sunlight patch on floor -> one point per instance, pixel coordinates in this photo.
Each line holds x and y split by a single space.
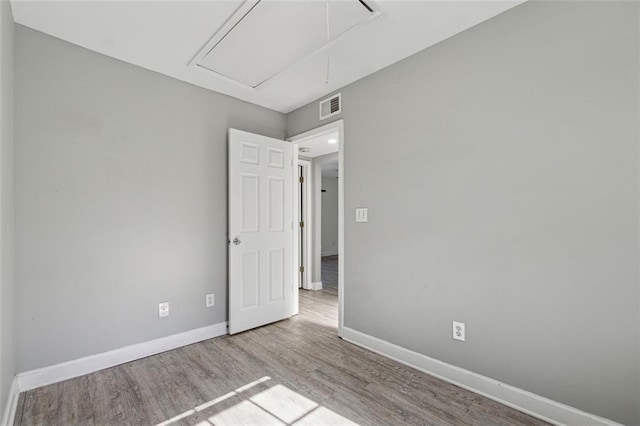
284 403
323 416
245 413
213 402
278 405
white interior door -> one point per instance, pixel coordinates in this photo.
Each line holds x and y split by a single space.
261 281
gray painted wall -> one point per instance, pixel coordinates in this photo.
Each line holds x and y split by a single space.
500 168
7 283
329 235
121 200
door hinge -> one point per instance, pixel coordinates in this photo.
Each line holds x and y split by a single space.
302 269
301 179
301 224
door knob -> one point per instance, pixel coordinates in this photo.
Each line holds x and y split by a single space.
236 241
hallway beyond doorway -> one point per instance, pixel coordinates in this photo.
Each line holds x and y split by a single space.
330 274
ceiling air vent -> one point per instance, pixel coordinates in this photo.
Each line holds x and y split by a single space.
330 106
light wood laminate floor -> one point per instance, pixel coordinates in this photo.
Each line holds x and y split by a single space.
295 371
329 271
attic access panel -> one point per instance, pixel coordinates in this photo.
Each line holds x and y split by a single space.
263 38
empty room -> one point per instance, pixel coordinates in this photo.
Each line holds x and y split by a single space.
320 212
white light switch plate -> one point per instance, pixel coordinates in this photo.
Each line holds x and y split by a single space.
361 214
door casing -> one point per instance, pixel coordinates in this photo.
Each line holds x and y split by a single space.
307 218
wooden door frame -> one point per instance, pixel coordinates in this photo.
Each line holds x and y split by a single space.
333 127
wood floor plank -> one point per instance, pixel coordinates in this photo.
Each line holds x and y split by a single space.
485 411
329 273
295 371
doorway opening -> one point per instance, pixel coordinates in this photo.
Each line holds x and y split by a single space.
319 207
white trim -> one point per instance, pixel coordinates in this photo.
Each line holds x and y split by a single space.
329 253
341 241
92 363
307 218
335 126
309 182
12 404
535 405
315 286
295 235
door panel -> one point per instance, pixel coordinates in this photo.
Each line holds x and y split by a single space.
276 204
276 274
260 229
250 203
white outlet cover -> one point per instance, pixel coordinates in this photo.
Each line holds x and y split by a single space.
459 331
209 300
163 309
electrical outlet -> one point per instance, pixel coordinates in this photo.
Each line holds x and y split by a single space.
458 331
163 309
209 300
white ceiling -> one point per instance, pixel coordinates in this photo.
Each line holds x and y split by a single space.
273 35
279 46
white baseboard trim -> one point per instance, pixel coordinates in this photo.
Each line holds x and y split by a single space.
535 405
89 364
329 253
12 403
315 286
